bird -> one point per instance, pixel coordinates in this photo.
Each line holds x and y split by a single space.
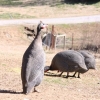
89 62
67 61
33 62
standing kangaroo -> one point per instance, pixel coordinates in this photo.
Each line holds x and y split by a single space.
33 62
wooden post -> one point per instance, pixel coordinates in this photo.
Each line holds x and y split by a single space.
72 40
64 42
55 40
52 38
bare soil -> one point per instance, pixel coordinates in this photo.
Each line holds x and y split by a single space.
12 46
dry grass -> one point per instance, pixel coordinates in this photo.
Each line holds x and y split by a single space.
46 11
83 34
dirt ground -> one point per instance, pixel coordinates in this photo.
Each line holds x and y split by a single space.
52 87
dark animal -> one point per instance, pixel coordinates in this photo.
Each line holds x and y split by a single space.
67 61
89 61
30 30
33 62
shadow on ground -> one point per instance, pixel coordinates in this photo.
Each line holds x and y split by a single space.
10 91
57 75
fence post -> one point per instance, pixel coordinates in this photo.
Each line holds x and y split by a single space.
52 38
72 40
64 42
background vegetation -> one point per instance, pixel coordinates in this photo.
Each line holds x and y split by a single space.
43 2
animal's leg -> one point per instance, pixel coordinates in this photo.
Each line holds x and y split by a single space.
58 71
67 75
36 90
60 74
24 87
78 75
24 90
74 74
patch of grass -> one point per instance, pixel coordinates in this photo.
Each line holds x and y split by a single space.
63 6
10 2
65 25
14 16
16 70
97 5
58 80
4 65
55 80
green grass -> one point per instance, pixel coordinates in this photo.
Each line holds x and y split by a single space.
16 70
64 25
10 2
63 6
75 5
56 3
97 5
4 65
85 79
14 16
56 80
59 80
